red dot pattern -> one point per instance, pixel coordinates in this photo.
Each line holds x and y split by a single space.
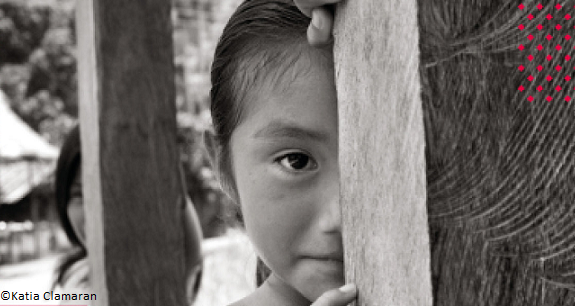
546 31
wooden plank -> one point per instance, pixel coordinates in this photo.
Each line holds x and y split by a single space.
382 162
133 194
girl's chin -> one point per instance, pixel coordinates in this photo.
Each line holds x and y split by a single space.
313 291
309 279
318 281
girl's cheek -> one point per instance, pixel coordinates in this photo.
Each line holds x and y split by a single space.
275 202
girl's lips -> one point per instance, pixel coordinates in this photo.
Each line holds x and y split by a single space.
326 257
329 259
326 264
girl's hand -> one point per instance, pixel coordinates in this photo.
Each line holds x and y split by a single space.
319 31
337 297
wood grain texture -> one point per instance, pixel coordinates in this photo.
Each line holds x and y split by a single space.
132 188
382 161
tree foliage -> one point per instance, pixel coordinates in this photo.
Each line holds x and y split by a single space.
38 66
21 30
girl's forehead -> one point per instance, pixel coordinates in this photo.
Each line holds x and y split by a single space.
279 75
304 97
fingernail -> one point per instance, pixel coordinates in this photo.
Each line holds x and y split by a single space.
316 20
348 288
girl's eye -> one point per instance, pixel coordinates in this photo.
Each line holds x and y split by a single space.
298 162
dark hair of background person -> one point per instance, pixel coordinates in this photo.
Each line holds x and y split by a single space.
260 41
66 168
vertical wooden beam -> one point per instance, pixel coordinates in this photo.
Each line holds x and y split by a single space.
133 196
382 162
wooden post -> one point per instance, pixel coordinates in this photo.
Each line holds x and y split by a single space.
382 162
133 196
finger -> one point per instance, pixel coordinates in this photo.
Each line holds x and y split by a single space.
337 297
306 6
319 30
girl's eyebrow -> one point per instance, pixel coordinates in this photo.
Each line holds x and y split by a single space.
283 129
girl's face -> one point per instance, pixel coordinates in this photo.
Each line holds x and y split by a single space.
285 164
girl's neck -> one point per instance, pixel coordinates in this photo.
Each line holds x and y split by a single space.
274 292
283 293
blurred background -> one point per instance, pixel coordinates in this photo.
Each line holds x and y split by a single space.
38 107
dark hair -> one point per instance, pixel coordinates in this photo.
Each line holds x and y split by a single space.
66 169
260 41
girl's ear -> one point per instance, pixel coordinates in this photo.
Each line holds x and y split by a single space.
219 164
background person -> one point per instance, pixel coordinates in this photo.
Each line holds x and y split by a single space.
73 272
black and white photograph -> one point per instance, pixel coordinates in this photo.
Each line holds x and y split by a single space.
287 152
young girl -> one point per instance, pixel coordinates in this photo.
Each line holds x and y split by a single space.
275 148
73 273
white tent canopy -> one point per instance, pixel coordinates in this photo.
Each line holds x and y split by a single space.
26 159
18 140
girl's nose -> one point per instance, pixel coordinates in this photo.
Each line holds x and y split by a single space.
330 218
